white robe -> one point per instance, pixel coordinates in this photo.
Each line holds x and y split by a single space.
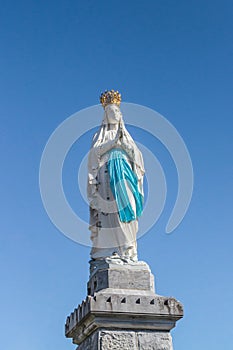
111 237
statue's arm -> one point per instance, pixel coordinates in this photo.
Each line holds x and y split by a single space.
127 147
105 147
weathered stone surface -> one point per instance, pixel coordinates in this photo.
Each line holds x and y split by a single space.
127 340
136 277
117 340
90 343
154 341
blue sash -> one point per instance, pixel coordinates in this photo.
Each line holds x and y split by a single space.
120 172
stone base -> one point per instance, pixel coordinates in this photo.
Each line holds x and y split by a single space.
106 339
135 276
123 312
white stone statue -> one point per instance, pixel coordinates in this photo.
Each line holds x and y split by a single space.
115 186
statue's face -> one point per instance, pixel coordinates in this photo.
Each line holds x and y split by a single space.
113 114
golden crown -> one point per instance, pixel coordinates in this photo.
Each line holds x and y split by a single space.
110 96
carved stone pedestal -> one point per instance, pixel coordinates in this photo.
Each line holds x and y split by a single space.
123 312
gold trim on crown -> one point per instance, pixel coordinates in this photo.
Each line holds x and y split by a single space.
109 97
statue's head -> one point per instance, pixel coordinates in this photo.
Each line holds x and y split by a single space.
111 100
113 114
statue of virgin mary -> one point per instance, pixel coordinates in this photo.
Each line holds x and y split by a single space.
115 186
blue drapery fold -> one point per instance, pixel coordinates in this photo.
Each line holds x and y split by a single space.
121 173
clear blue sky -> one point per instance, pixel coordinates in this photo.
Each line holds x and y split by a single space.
173 56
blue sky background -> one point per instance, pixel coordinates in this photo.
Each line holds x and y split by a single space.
172 56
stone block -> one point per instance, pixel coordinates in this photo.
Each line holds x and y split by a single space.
137 277
154 341
109 339
117 340
90 343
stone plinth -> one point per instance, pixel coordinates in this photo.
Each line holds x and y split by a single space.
122 311
125 276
